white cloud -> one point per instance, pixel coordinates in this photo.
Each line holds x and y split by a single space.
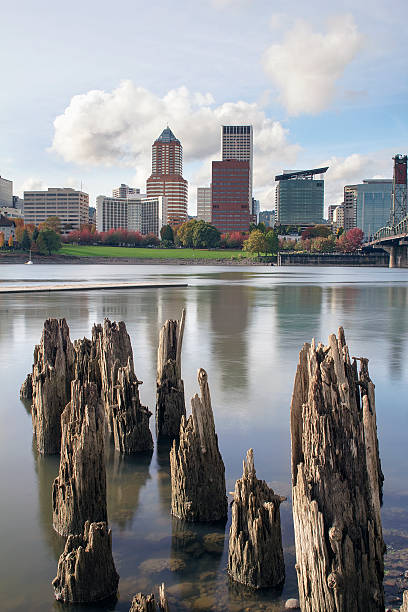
306 66
226 3
354 169
119 127
31 184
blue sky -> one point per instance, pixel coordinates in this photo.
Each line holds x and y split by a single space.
87 86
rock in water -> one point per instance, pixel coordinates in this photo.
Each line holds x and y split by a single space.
170 403
130 420
26 390
79 491
86 570
336 480
53 371
147 603
197 468
255 545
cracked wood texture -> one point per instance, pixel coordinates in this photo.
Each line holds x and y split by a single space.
255 556
197 469
79 491
53 371
147 603
336 482
170 402
128 420
404 607
86 570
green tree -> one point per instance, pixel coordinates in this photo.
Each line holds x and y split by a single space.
272 242
48 242
256 243
323 245
25 241
34 235
185 233
166 233
260 226
205 235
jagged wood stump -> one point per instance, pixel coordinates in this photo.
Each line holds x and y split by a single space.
53 372
130 420
197 468
26 390
147 603
404 607
79 491
336 480
170 402
86 570
255 545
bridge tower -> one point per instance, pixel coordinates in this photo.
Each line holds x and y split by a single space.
399 190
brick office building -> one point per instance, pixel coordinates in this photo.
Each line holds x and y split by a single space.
229 195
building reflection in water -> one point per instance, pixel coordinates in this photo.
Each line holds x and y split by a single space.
163 474
126 476
229 314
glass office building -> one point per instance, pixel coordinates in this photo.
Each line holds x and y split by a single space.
299 201
373 205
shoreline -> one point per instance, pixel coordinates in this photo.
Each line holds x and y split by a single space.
21 258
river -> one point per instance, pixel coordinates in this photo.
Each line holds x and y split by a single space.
245 326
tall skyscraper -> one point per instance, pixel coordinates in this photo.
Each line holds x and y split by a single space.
167 177
237 143
300 197
204 211
229 195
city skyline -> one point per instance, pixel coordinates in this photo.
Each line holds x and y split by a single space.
338 100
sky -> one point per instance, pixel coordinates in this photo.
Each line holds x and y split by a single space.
87 86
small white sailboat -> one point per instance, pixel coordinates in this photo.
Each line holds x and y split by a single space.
29 262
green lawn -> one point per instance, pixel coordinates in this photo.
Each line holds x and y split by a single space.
141 253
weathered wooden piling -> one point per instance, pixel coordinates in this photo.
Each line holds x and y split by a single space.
336 480
86 570
26 390
255 556
170 402
404 607
79 491
197 468
147 603
53 371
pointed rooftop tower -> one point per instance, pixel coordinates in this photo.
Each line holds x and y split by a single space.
167 176
167 136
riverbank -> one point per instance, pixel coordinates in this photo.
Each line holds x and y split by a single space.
21 258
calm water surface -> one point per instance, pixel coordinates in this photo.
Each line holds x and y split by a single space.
245 326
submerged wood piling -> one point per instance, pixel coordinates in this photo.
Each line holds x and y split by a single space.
197 470
170 402
255 556
336 482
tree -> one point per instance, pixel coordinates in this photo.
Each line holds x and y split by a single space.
260 226
323 245
52 223
19 229
185 233
205 235
25 241
256 243
166 233
11 241
316 231
48 241
34 235
355 238
1 240
272 242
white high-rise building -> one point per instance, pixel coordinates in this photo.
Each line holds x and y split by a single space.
6 192
144 215
204 208
237 143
